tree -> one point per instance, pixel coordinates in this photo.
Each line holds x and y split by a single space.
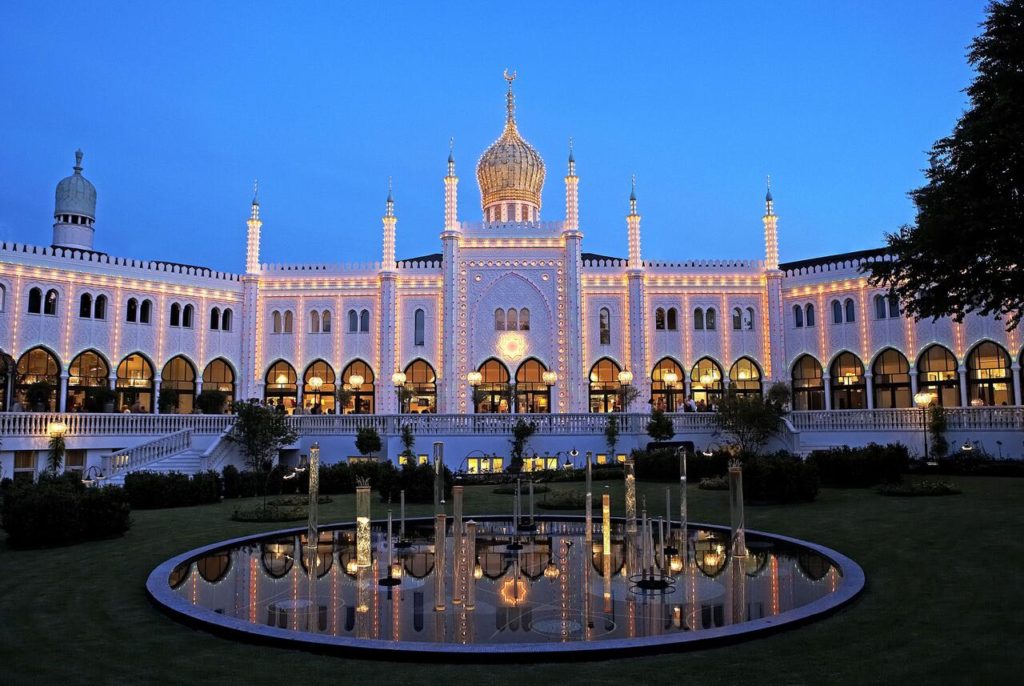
260 432
521 433
611 434
56 453
966 250
408 441
937 430
660 427
367 440
751 419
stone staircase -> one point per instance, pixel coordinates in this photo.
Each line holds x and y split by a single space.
171 453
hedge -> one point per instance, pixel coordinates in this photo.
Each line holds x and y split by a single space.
663 465
151 490
61 511
861 467
779 478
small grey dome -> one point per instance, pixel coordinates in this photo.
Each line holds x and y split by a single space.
75 194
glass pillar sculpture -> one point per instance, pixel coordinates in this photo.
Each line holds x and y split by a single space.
469 566
363 555
589 507
739 544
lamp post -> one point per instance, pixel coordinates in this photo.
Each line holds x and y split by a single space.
398 379
550 379
923 400
670 379
474 378
56 430
316 383
355 384
625 379
92 475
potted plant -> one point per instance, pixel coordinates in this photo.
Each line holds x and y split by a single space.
168 401
105 398
211 402
367 440
38 395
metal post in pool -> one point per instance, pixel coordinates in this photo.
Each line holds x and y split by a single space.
438 477
312 533
589 508
684 545
469 555
739 544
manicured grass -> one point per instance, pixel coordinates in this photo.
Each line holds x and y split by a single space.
944 603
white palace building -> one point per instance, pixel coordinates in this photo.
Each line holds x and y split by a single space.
510 317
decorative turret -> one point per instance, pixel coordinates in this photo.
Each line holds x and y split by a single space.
572 197
771 236
389 219
252 244
633 225
74 210
510 173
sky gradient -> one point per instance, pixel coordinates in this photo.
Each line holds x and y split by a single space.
179 106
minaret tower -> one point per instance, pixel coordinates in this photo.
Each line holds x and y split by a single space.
771 236
252 244
572 197
389 219
449 398
74 210
637 303
571 386
451 192
388 278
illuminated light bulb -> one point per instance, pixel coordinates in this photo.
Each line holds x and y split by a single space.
355 380
670 378
474 378
625 377
398 379
316 383
549 378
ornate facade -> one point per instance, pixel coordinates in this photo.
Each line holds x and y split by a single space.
510 316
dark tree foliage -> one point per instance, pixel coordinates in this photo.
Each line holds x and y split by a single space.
966 251
260 432
660 427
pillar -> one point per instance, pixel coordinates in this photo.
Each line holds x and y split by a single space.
869 390
62 398
963 388
827 381
1015 370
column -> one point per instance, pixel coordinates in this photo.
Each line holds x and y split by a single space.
1015 370
963 388
913 381
62 398
827 381
156 394
869 381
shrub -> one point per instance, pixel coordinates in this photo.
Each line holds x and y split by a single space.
779 478
861 467
662 464
563 500
416 480
963 464
150 490
61 510
660 427
367 440
232 481
920 488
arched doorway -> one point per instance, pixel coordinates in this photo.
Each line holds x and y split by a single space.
848 385
134 385
989 380
37 381
220 377
280 386
891 380
533 394
88 383
668 390
360 395
493 393
605 389
421 384
177 386
706 384
318 388
745 377
937 374
808 384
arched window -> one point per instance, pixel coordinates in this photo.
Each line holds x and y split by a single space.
85 306
100 307
937 374
134 384
745 377
798 316
698 319
659 319
710 318
364 321
187 315
3 297
604 323
894 305
276 318
218 376
808 384
353 321
848 385
314 322
289 321
175 314
493 393
360 400
809 312
737 319
851 315
748 320
146 311
837 312
605 389
325 321
39 371
318 388
673 319
421 389
499 319
668 388
532 393
524 319
706 383
50 304
35 301
281 386
215 319
225 319
988 375
88 373
418 322
512 319
177 386
879 307
132 310
891 380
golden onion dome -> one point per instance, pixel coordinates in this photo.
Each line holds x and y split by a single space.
511 170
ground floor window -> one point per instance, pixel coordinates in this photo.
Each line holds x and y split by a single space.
485 465
605 389
74 461
281 386
808 384
177 386
24 465
134 384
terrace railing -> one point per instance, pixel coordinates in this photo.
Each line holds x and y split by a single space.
957 418
110 424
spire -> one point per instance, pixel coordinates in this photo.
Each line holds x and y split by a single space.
633 226
510 102
768 203
390 202
451 156
255 211
389 221
632 197
252 243
572 159
771 233
78 161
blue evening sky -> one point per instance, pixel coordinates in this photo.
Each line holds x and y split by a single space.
179 106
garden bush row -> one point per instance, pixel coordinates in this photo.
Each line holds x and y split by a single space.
861 467
61 510
151 490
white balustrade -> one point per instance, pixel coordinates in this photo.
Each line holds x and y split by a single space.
110 424
957 418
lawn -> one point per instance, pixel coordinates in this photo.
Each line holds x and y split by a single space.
944 603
